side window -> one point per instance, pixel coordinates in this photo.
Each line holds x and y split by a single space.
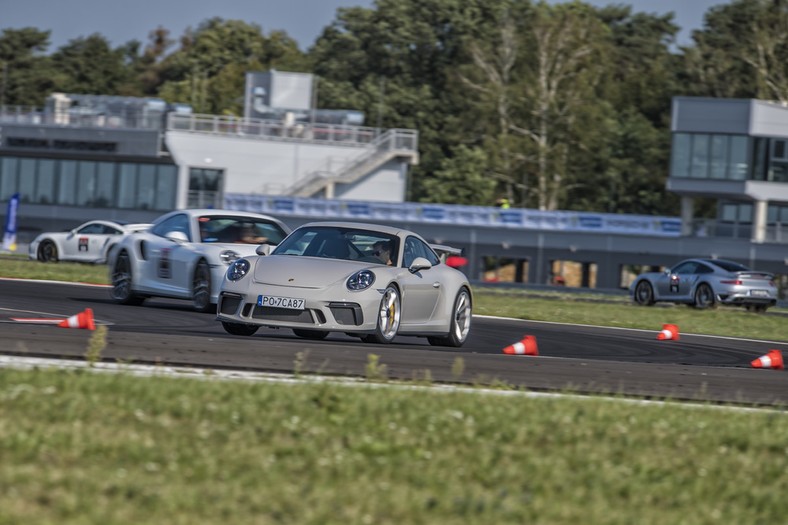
702 268
176 223
91 228
416 248
684 268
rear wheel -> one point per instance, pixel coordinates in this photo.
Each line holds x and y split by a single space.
316 335
201 287
704 297
239 328
47 252
122 281
644 294
460 322
389 314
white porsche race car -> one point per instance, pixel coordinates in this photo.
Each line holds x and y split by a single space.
185 254
371 281
90 242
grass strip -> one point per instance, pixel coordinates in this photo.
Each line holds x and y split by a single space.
79 447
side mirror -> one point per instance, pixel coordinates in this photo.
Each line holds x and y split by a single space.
178 237
263 249
418 264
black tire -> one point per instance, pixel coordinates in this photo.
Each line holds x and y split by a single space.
239 328
704 297
47 251
460 322
315 335
644 294
201 288
389 315
123 281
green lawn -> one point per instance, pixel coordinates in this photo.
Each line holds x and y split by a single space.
93 448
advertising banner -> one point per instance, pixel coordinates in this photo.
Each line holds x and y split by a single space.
9 234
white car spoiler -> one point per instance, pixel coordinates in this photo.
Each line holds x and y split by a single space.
444 251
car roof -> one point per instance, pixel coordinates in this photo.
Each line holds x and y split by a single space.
390 230
199 212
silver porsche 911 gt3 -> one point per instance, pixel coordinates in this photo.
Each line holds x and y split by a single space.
704 283
372 281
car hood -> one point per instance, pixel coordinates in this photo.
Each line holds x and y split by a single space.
304 272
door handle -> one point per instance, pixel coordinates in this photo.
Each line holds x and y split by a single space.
436 285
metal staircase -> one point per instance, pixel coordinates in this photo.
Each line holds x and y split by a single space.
392 144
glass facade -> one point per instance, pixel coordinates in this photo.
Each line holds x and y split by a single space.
710 156
89 184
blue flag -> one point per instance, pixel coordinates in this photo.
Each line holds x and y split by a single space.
9 234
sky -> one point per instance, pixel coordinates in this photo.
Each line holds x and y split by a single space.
303 20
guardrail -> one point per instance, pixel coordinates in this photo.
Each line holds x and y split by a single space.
515 218
272 129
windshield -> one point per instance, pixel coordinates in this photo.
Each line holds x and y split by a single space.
341 243
243 230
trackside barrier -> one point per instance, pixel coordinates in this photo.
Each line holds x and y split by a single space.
456 215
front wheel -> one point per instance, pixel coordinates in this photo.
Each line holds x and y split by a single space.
704 297
644 294
460 324
389 314
239 328
122 281
201 288
47 252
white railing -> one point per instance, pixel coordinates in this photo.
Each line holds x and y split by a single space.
393 143
272 129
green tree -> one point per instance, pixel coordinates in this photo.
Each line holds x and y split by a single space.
742 51
25 72
89 65
462 178
207 70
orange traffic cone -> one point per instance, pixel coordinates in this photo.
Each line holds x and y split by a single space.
773 359
527 346
80 320
669 332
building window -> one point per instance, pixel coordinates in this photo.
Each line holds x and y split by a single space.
738 158
8 171
719 156
146 186
700 157
105 185
680 153
86 183
90 184
127 185
45 188
27 180
67 182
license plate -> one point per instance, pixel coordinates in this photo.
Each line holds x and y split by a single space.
280 302
759 293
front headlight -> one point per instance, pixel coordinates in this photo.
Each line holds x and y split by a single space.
238 269
360 280
228 256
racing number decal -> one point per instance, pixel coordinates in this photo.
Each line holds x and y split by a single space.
83 244
164 267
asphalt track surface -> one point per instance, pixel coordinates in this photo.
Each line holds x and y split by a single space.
580 359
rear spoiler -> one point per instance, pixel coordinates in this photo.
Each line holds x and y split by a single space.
444 251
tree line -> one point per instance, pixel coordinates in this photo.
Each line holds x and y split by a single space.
553 106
